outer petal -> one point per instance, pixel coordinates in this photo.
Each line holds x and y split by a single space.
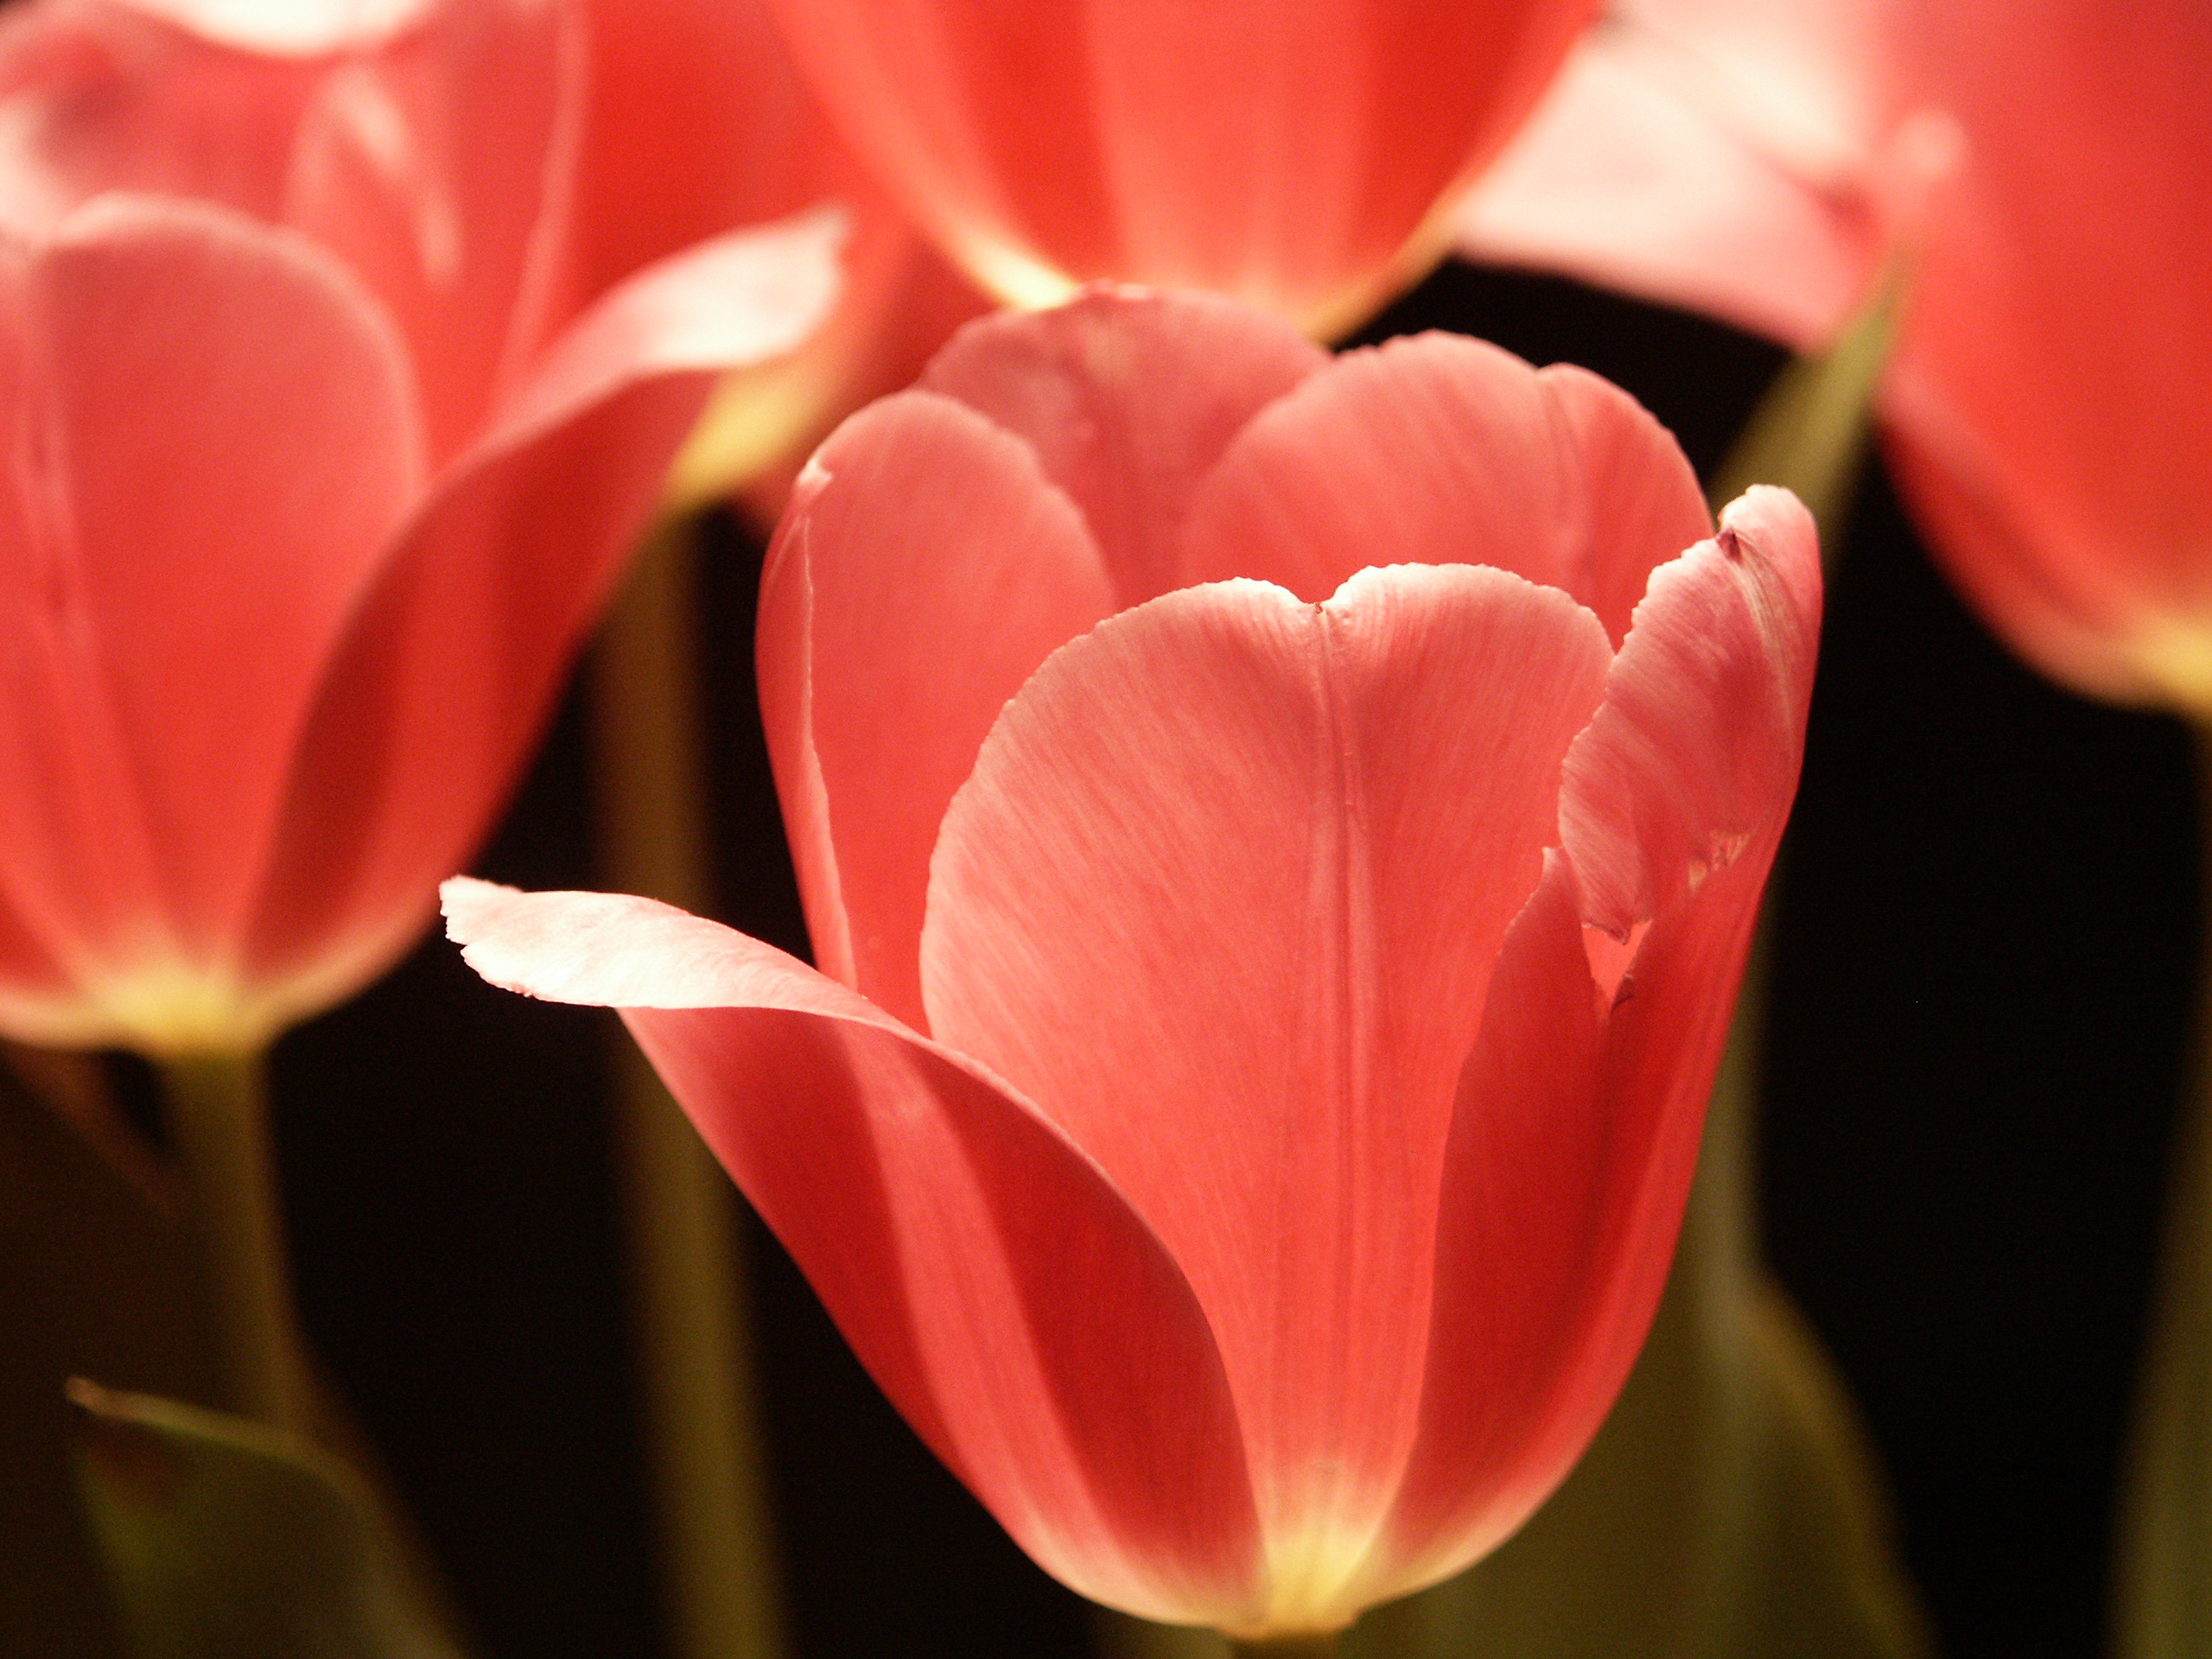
1443 449
212 444
458 222
1647 168
430 702
1287 155
998 1289
1223 896
1576 1127
924 568
1129 400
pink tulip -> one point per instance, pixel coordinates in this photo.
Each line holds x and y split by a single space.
315 487
2050 404
1247 1103
1294 156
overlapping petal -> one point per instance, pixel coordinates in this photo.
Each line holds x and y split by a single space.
1373 944
309 512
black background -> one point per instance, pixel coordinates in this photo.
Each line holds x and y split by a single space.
1986 942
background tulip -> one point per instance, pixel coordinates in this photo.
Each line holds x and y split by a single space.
1246 1109
1295 156
2048 407
318 486
699 122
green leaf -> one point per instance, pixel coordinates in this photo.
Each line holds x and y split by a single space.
227 1540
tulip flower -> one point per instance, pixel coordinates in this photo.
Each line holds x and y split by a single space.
1280 835
1297 156
2049 408
316 485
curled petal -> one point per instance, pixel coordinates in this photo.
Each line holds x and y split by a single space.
1002 1294
1694 754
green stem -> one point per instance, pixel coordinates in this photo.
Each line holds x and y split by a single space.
2164 1577
701 1416
219 1115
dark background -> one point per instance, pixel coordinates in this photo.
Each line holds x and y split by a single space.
1987 924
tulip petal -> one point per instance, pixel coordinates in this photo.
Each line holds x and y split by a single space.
925 568
999 1290
1223 896
1128 401
1626 178
1572 1145
452 220
288 28
432 701
97 96
1445 448
1694 758
1285 156
213 392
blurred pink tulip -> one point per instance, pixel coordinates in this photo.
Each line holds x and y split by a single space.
2049 408
1263 1026
1296 156
700 122
315 486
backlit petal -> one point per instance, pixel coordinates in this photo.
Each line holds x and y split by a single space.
1127 405
1286 155
444 677
925 568
1222 898
1445 449
1694 758
209 397
1001 1292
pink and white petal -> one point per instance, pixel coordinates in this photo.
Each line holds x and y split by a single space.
1574 1138
924 569
1445 450
1222 897
1694 757
1626 178
457 222
288 27
999 1289
1128 399
223 445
